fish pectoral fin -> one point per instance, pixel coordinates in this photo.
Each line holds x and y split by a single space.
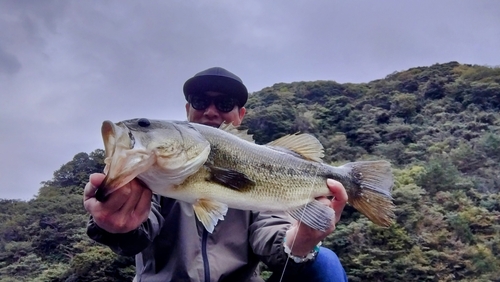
306 145
209 212
230 178
315 215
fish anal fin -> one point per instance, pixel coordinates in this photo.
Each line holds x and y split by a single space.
315 215
230 178
209 212
303 144
243 134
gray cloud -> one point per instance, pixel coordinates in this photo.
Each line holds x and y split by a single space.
9 64
65 66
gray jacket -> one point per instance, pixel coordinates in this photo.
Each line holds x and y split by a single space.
172 245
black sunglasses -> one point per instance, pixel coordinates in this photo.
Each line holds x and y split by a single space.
223 103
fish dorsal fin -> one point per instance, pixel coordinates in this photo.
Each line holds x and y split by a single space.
243 134
303 144
209 212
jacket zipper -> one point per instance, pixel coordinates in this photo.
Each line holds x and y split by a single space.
206 266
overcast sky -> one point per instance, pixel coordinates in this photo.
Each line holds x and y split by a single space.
66 66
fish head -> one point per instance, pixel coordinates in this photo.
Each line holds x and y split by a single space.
150 150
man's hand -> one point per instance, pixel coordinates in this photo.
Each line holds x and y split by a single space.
306 237
124 210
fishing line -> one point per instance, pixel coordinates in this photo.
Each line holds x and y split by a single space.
298 225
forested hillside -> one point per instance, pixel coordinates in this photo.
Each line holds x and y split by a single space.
439 126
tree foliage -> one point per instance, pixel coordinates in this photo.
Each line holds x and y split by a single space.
44 239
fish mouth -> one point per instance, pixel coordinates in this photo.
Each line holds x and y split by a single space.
108 136
123 161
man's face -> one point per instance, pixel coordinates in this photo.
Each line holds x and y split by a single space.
212 116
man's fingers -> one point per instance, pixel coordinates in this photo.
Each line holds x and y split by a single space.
338 190
89 191
96 179
144 205
324 200
339 197
124 209
118 199
136 191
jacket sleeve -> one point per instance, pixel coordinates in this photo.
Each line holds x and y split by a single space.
135 241
267 233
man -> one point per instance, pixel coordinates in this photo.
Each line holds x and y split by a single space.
170 244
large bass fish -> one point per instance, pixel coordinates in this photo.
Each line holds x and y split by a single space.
217 168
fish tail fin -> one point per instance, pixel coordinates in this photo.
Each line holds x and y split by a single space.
371 192
377 207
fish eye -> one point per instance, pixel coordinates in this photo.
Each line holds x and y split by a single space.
143 122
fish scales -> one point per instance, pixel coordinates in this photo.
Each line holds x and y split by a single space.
279 176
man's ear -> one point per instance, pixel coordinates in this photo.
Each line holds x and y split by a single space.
242 112
187 109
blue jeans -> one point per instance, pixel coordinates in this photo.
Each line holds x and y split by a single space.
325 268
